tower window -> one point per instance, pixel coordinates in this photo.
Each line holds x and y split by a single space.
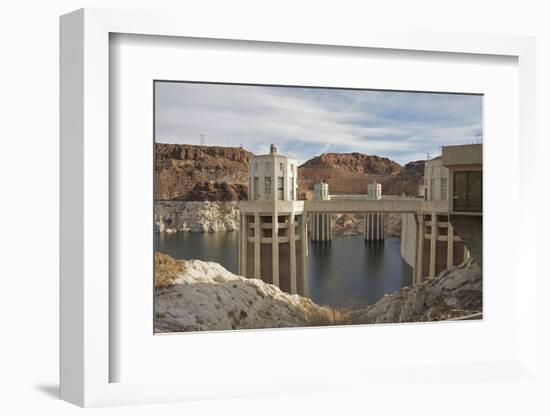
280 188
267 185
281 166
256 187
468 191
443 188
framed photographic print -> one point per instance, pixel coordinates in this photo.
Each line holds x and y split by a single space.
318 212
340 223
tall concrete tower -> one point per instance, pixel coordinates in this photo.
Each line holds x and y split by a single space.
374 222
320 223
273 234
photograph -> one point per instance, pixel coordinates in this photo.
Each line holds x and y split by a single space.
295 206
275 208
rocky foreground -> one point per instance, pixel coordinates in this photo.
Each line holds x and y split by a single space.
193 295
452 294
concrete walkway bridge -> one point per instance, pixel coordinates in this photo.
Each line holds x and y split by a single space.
275 227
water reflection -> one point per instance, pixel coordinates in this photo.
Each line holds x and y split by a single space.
223 247
349 272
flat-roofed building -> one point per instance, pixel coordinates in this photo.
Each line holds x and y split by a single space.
465 166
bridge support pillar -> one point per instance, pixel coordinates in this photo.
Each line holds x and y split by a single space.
374 226
433 243
321 229
304 287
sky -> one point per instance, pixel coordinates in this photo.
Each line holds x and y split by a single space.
306 122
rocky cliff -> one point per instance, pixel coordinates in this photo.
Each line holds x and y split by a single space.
196 216
193 295
185 172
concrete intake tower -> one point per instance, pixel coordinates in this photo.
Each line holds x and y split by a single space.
273 234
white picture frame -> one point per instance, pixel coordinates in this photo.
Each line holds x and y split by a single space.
85 220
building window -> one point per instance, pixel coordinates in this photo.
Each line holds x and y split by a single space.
256 167
443 189
432 189
267 166
280 188
281 166
468 191
256 188
267 185
292 189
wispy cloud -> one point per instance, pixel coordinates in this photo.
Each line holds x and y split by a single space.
305 122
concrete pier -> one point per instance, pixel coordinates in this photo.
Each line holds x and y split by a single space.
374 222
321 227
374 227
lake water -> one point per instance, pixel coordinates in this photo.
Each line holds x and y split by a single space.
344 272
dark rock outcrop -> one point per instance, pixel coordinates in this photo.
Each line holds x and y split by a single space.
216 191
408 181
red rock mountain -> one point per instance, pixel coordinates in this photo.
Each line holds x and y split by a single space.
346 173
192 172
354 162
215 173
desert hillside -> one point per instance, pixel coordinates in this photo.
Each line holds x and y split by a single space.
354 162
213 173
198 173
346 173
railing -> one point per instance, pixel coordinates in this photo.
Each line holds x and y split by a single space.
365 205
